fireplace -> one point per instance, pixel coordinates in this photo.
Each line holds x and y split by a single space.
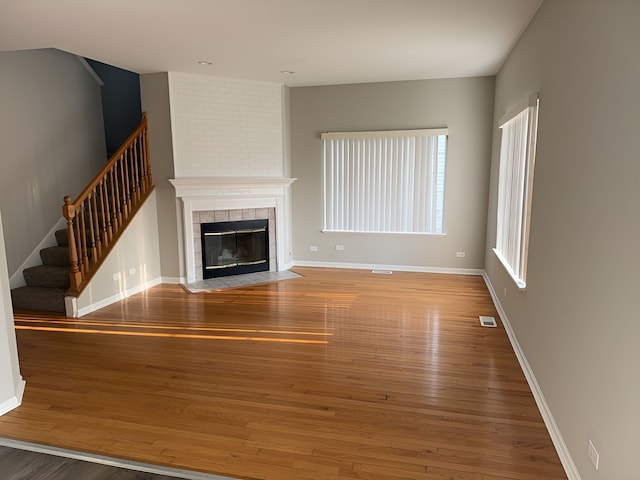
233 248
220 199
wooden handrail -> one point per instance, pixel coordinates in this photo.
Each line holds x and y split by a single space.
101 212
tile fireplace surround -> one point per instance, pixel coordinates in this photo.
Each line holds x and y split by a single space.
205 196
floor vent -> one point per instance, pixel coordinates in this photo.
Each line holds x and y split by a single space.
382 272
488 321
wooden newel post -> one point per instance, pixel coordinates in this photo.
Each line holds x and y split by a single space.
69 212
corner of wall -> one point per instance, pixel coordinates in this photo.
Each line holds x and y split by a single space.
155 92
14 401
12 384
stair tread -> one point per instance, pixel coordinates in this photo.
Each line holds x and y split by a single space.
56 248
50 276
58 255
48 268
38 298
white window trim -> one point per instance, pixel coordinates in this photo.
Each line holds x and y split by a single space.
529 105
432 132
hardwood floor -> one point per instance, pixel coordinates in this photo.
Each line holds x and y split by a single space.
341 374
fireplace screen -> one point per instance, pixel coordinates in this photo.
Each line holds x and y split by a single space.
233 248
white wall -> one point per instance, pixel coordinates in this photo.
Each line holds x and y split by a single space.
465 106
226 127
131 267
578 321
51 140
11 383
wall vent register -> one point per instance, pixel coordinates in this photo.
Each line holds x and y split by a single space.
234 248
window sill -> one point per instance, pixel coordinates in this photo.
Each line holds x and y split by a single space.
521 284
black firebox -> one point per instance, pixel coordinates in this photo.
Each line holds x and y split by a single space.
233 248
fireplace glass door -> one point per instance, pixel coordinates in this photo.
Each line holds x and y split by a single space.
232 248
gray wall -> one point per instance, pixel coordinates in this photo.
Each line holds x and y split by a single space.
578 321
154 89
465 106
51 142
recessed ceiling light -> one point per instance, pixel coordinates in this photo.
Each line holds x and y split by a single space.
205 63
287 72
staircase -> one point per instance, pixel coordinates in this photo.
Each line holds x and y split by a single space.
95 221
46 283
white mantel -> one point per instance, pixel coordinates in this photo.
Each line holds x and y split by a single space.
228 193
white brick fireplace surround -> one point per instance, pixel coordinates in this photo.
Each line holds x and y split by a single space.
210 194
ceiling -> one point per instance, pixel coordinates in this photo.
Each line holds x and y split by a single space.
322 41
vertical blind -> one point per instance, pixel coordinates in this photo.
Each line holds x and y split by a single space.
385 181
517 157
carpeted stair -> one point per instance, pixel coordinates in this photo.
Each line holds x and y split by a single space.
46 283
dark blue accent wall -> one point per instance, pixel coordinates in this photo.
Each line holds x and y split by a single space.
121 108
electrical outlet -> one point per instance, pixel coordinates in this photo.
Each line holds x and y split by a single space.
593 455
339 247
460 254
313 248
505 291
116 277
132 271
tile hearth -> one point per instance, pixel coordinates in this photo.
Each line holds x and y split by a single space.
223 283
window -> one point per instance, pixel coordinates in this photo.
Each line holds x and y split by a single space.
390 182
515 185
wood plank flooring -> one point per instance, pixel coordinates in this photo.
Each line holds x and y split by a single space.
338 375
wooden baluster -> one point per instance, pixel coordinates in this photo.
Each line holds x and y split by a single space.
115 200
136 170
147 157
131 184
75 275
130 172
79 244
84 251
123 184
91 233
127 181
143 164
106 215
140 165
127 176
96 243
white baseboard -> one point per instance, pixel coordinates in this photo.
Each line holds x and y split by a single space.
556 436
17 279
397 268
288 266
74 311
16 400
174 280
